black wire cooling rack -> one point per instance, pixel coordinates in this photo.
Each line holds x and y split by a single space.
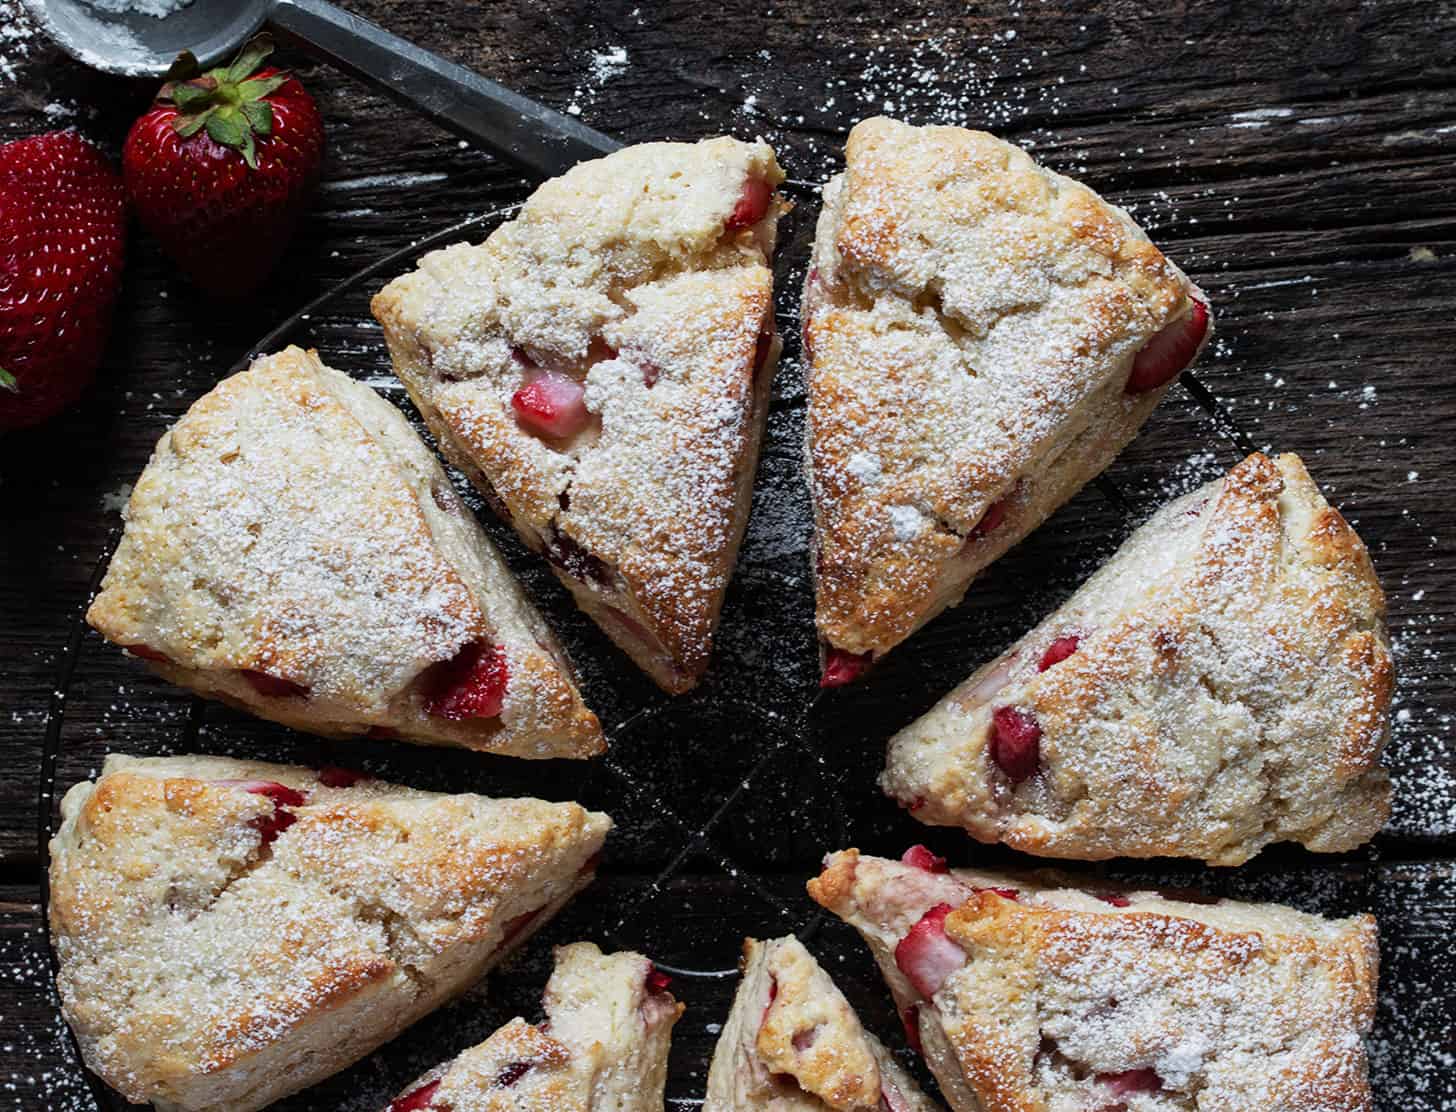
724 798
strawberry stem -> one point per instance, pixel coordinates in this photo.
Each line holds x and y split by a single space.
228 102
7 381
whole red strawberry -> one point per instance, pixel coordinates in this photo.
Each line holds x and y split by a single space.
221 167
62 238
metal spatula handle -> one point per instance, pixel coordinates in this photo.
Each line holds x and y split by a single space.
531 135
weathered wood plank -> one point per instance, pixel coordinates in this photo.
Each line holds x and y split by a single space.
1295 158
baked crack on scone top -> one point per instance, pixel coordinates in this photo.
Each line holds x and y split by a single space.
229 932
293 548
792 1043
983 336
600 367
1032 994
602 1047
1222 683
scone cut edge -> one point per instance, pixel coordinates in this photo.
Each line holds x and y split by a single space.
293 548
600 368
983 337
1222 683
602 1047
228 932
1037 991
793 1042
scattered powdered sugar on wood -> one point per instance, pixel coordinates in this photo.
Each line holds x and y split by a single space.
17 32
604 65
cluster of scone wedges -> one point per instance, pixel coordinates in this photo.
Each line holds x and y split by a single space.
981 337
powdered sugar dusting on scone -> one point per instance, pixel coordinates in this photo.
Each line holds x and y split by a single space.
1224 682
643 275
294 547
1066 998
792 1043
602 1048
206 965
971 320
270 532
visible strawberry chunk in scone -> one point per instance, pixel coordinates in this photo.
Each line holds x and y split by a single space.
926 955
990 520
472 685
842 667
752 204
922 858
280 794
1132 1081
333 776
552 404
1015 742
1169 351
512 1073
283 797
416 1100
1058 651
910 1020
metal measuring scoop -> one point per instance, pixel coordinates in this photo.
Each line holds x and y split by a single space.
137 45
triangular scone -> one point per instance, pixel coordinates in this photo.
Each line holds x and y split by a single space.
293 548
602 1048
229 932
984 336
793 1044
1034 997
1222 683
600 367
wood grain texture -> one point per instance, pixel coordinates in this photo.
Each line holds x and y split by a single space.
1295 159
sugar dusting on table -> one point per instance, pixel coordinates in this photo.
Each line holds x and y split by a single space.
17 33
924 74
604 65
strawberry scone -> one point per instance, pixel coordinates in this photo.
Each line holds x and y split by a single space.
983 337
1031 994
230 932
1222 683
602 1047
600 367
294 549
793 1044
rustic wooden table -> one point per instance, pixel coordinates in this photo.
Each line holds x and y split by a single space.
1294 158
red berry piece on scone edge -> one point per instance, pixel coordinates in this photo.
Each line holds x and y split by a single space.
472 684
1167 353
842 667
416 1099
62 242
222 165
926 955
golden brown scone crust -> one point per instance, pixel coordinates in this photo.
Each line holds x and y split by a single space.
1230 688
970 320
206 968
292 523
1236 1007
626 254
792 1043
603 1047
